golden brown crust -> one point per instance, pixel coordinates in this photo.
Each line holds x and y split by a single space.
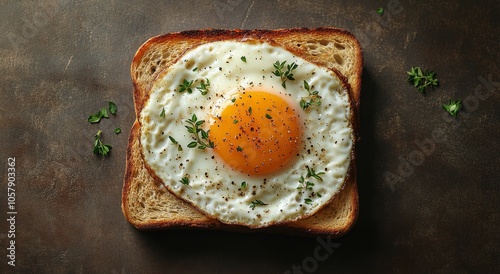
190 39
193 38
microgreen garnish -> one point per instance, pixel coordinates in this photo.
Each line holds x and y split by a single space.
308 201
186 86
203 88
118 130
250 110
243 185
185 181
244 59
162 114
380 11
257 203
112 107
312 100
194 128
235 121
284 75
95 118
268 116
239 149
421 79
99 147
453 107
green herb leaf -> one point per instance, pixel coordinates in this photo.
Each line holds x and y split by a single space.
240 149
204 134
453 107
306 85
312 100
202 141
257 203
186 86
199 123
268 116
195 69
243 185
312 173
179 147
284 74
307 185
380 11
235 121
185 181
118 130
162 114
112 107
203 88
308 201
233 100
103 113
244 59
95 118
99 147
250 111
422 79
303 184
173 140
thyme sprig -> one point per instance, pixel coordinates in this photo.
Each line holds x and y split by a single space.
453 107
99 147
200 135
308 185
284 74
186 86
312 173
203 87
422 79
185 181
257 203
312 100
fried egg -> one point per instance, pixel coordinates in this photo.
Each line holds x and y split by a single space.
248 133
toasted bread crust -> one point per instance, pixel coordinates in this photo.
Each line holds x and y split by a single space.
194 38
202 221
143 77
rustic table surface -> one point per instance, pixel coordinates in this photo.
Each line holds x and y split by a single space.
428 182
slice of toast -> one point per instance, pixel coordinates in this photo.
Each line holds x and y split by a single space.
146 204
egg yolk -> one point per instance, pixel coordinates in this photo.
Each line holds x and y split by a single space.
256 133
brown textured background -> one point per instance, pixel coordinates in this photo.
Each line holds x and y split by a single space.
62 60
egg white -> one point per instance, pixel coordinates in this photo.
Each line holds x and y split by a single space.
216 189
